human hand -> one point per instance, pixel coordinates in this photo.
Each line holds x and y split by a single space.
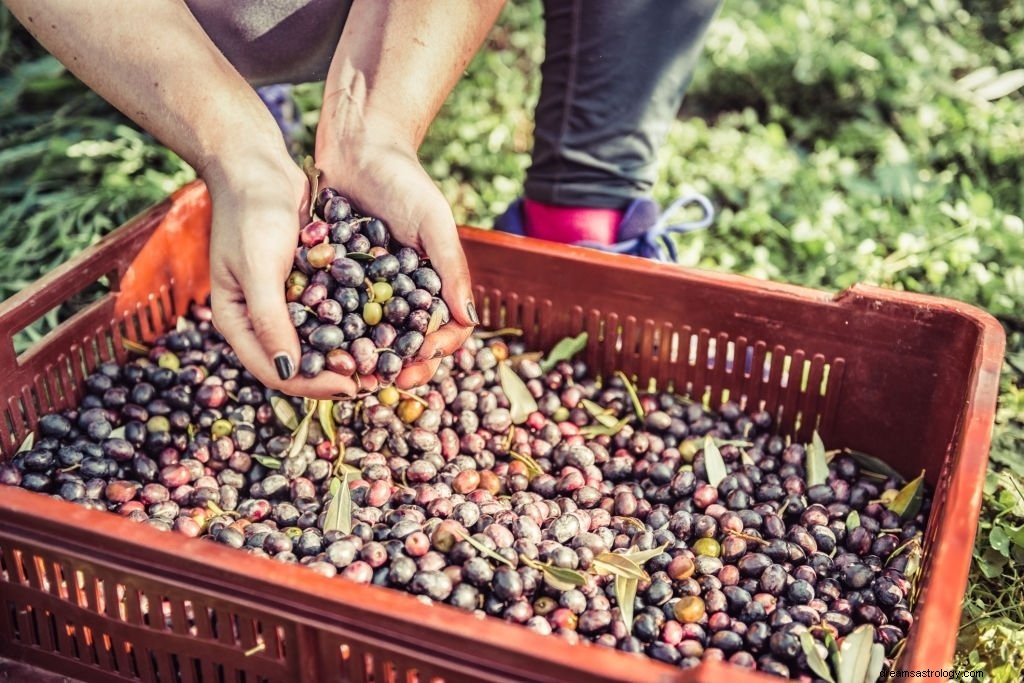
258 210
387 181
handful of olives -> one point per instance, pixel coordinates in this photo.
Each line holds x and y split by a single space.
361 302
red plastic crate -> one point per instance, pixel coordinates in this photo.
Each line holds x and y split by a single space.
909 378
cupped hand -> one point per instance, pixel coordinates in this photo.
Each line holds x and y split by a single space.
257 214
388 182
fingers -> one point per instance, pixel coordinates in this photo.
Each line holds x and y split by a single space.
417 374
442 343
441 242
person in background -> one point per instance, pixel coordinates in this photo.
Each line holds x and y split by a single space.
187 71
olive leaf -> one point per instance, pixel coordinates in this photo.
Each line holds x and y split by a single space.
642 556
135 347
481 548
815 463
855 655
117 433
533 469
713 462
603 415
180 325
631 390
521 401
325 411
814 660
313 174
270 462
339 510
590 431
564 350
27 444
633 521
300 434
852 520
873 464
359 256
625 595
503 332
285 413
559 578
620 565
435 322
875 663
833 650
746 459
907 502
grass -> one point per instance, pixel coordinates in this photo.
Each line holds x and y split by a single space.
863 141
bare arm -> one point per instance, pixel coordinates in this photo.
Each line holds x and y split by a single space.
153 61
394 67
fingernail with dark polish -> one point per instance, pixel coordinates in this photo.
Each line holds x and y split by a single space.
342 395
471 312
439 353
284 366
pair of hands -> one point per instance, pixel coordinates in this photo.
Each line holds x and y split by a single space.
259 206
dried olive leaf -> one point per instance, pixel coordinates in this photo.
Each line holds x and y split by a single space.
27 444
481 548
271 463
907 502
339 510
285 413
521 401
852 520
117 433
643 556
590 431
503 332
602 415
325 411
533 469
833 650
633 521
620 565
855 655
873 464
300 435
435 322
564 350
562 579
817 467
631 390
625 595
814 660
313 174
135 347
713 462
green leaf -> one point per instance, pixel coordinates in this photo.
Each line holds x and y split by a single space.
643 556
907 502
359 256
875 663
999 540
852 520
339 510
521 401
271 463
301 434
620 565
817 467
814 660
562 579
117 433
625 595
590 431
713 462
631 390
285 413
325 411
27 444
481 548
602 415
564 350
873 464
855 655
533 469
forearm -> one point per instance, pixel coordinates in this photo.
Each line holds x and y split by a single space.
153 61
395 65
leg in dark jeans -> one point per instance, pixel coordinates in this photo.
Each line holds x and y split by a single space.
614 75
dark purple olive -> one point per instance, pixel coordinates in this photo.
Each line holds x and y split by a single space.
419 299
364 352
418 321
389 365
408 344
311 364
408 260
359 244
347 272
426 278
336 209
396 310
326 338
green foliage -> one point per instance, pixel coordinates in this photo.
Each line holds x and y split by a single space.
842 142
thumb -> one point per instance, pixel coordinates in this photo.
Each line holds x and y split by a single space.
441 242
